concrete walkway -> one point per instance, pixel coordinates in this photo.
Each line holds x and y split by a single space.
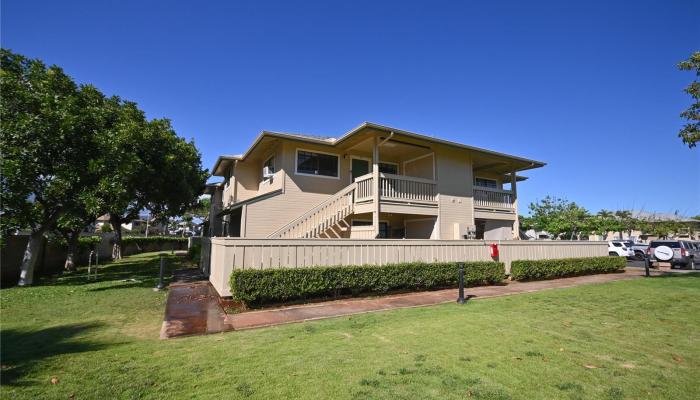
193 308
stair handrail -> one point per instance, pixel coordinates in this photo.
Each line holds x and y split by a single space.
293 223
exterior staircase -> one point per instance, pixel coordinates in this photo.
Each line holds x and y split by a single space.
322 221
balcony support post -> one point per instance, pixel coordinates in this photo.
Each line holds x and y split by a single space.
375 189
514 193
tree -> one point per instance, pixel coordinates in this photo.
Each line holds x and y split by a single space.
153 169
69 154
559 217
604 222
47 124
690 134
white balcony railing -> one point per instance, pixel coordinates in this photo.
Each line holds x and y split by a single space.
364 190
397 188
407 189
493 198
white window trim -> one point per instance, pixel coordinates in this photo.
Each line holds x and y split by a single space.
296 163
486 179
274 166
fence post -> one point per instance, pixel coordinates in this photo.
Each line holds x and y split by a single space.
460 299
90 264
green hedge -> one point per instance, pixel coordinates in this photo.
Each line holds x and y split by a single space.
254 286
522 270
88 242
140 240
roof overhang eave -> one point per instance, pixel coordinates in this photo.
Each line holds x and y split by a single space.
528 163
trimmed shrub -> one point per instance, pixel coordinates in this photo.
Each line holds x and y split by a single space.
195 251
88 242
256 286
143 240
522 270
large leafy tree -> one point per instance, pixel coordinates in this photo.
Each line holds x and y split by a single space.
148 167
70 154
690 134
47 124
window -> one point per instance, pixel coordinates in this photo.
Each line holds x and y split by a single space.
671 244
320 164
269 167
487 183
361 222
383 227
227 176
387 168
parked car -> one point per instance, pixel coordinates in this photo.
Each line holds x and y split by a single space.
639 249
678 253
618 248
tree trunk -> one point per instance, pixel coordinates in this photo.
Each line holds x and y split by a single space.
72 239
116 222
31 256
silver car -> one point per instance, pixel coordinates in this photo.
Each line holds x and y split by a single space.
678 253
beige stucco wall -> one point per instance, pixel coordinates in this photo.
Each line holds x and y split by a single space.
300 192
455 181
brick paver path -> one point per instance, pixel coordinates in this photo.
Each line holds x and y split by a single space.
193 308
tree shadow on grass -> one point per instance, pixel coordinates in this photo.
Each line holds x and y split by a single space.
135 271
677 275
22 350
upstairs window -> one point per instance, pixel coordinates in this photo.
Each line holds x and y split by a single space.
227 176
317 164
268 169
388 168
487 183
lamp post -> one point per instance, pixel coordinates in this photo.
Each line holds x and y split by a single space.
460 298
160 284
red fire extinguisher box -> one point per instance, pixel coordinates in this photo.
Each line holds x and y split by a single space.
494 250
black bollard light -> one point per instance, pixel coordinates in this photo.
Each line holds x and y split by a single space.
647 261
460 299
160 284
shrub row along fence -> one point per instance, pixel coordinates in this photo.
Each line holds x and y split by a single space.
258 286
53 257
222 256
524 270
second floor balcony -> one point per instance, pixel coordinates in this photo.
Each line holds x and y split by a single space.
494 199
398 189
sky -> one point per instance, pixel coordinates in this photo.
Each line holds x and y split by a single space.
591 88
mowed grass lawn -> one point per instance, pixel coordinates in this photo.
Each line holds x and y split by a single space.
622 340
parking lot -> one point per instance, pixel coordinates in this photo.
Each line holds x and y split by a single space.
635 263
640 264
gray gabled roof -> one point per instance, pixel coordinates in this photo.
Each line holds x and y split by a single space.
329 141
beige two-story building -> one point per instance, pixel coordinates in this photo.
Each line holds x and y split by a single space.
373 182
